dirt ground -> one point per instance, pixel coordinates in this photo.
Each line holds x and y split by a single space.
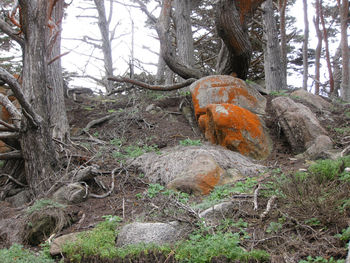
105 144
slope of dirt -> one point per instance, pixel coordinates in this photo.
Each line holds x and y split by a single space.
132 130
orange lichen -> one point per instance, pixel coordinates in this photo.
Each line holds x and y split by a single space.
236 128
207 182
246 7
224 91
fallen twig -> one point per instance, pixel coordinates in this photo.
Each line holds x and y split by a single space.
268 207
14 180
256 193
110 190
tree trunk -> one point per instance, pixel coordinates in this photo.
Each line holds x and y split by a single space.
272 56
282 5
337 69
328 58
106 43
345 84
58 116
236 54
36 143
305 46
318 48
184 36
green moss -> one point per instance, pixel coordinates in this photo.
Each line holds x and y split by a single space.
16 253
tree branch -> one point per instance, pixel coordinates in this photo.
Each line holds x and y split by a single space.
153 87
13 34
11 155
34 119
12 110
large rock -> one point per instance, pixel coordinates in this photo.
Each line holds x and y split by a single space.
149 233
237 129
58 243
312 99
299 124
219 89
175 161
200 177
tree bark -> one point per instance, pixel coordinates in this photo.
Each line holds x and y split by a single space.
184 36
345 84
58 117
232 29
106 43
318 48
36 143
305 46
282 5
272 56
328 59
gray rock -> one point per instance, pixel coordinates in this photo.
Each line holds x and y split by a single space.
299 124
174 161
19 199
312 99
149 233
319 148
57 243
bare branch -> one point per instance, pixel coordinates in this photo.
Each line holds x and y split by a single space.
13 34
11 155
12 110
9 135
35 119
153 87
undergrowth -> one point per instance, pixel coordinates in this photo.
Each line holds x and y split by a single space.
16 253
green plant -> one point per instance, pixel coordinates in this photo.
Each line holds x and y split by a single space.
279 93
184 93
95 134
16 253
326 170
343 130
99 241
111 111
313 222
88 108
180 196
202 248
154 189
189 142
44 203
310 259
345 234
274 227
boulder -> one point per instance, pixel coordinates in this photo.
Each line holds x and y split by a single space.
219 89
320 147
315 100
237 129
149 233
57 243
200 177
298 123
175 161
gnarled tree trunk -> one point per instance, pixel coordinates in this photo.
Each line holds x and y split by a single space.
36 143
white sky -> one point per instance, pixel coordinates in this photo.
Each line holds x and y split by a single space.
75 27
77 60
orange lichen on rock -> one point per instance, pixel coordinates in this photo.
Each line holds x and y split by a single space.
222 89
200 177
237 129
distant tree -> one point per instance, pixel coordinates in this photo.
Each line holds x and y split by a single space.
305 46
318 48
344 17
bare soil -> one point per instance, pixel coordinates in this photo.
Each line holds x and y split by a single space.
166 126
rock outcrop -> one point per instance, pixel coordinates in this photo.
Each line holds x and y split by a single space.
174 162
226 109
299 125
314 100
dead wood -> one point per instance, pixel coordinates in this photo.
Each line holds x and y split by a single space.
112 186
152 87
11 155
98 121
268 207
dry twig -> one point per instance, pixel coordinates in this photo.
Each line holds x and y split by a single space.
268 207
